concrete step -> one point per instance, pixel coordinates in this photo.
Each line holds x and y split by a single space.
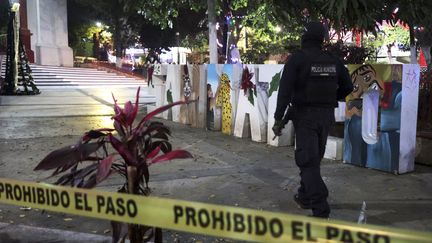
51 76
35 66
86 78
86 84
68 71
90 80
76 86
46 71
73 74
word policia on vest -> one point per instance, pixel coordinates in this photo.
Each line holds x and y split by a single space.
323 70
201 218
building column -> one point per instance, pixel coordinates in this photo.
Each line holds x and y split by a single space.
25 32
47 21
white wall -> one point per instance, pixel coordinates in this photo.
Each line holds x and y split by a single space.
47 21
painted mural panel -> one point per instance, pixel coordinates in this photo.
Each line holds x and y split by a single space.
251 114
219 89
372 136
191 86
174 79
195 86
157 88
271 74
410 88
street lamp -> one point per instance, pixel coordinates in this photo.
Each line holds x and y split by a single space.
98 24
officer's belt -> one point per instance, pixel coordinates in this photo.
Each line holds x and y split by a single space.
313 108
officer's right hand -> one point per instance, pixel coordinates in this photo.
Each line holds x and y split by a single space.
277 127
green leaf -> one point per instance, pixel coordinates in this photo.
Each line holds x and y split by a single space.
251 97
169 96
274 84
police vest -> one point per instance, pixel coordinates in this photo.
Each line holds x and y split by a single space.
321 82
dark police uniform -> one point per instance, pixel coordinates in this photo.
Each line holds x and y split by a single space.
312 82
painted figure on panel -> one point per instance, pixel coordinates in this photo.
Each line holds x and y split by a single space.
383 153
223 100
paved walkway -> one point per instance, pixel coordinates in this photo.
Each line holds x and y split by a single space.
225 170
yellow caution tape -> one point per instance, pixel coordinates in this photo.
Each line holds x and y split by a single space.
201 218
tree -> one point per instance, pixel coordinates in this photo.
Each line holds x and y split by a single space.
395 35
117 14
153 23
362 15
251 21
424 37
269 35
374 43
187 23
157 22
412 13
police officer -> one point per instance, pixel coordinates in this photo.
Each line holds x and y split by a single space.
312 82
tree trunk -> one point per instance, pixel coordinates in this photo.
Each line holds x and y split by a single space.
413 48
211 10
376 55
117 43
389 54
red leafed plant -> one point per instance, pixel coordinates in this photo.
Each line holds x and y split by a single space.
247 86
134 149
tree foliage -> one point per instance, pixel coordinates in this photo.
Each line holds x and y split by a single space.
156 22
412 13
374 43
268 35
396 35
362 15
354 14
120 15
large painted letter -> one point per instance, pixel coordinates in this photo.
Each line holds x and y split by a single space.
220 93
272 74
157 88
173 91
249 105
